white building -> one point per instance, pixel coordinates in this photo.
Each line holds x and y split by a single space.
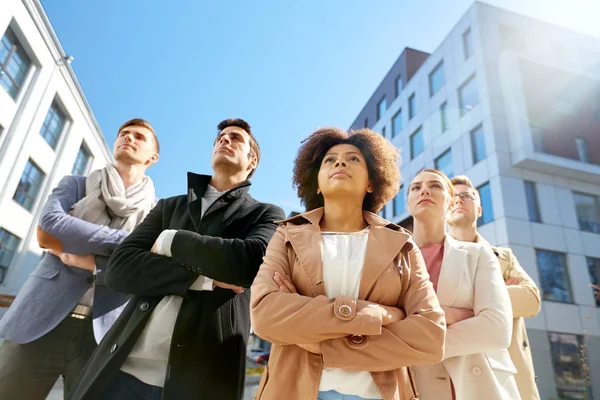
514 103
47 131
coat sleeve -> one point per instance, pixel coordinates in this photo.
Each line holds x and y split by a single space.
134 269
491 327
525 296
59 231
290 318
233 261
417 339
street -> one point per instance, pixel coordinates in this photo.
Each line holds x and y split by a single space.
251 386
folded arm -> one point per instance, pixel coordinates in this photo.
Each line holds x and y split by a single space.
416 339
524 296
290 318
59 231
491 326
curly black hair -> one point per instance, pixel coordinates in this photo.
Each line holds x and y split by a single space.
382 158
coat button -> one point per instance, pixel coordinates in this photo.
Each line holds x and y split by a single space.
345 310
524 344
476 371
200 271
144 306
113 348
357 339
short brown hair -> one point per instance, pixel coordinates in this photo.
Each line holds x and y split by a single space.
240 123
144 124
381 156
442 175
464 180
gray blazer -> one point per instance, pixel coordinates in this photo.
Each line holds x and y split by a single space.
53 289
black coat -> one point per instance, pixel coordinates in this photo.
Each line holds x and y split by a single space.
208 350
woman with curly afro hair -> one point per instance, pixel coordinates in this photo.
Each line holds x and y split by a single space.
344 295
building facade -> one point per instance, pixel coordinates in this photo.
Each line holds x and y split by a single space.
514 103
47 131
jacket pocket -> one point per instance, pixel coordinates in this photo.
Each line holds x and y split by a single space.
500 360
44 271
263 383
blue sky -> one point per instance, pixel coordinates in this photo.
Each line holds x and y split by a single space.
286 67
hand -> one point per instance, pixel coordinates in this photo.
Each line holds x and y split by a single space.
512 281
86 261
454 314
285 283
236 289
391 315
154 248
314 348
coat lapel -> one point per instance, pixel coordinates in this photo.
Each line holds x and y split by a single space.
382 247
454 267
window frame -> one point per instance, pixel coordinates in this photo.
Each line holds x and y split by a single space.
486 208
398 114
5 235
431 75
16 44
412 153
35 197
412 105
566 278
467 42
379 103
447 152
472 133
532 200
463 110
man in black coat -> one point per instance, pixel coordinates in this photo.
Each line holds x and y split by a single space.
184 334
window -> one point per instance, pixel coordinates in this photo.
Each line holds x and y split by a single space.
8 246
1 130
366 125
398 85
82 161
383 131
416 143
444 163
397 123
478 144
436 79
568 362
468 97
53 125
554 277
14 63
29 186
594 270
444 116
467 41
381 108
485 193
537 135
588 212
532 202
411 106
400 202
582 149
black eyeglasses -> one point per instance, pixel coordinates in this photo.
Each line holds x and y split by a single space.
465 196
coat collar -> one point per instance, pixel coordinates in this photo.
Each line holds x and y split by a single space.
384 244
197 186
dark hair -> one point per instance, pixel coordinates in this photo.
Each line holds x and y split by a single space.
254 147
144 124
381 156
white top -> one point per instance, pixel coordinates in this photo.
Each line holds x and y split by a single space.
149 358
343 260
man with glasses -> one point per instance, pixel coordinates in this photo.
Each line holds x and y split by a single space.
523 292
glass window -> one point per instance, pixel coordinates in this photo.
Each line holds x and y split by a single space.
582 150
444 163
436 79
569 363
467 44
8 246
1 130
444 116
14 63
383 131
366 125
412 107
478 144
594 270
381 108
398 85
397 123
468 97
82 161
532 202
53 125
485 193
29 185
554 276
588 212
416 143
400 202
